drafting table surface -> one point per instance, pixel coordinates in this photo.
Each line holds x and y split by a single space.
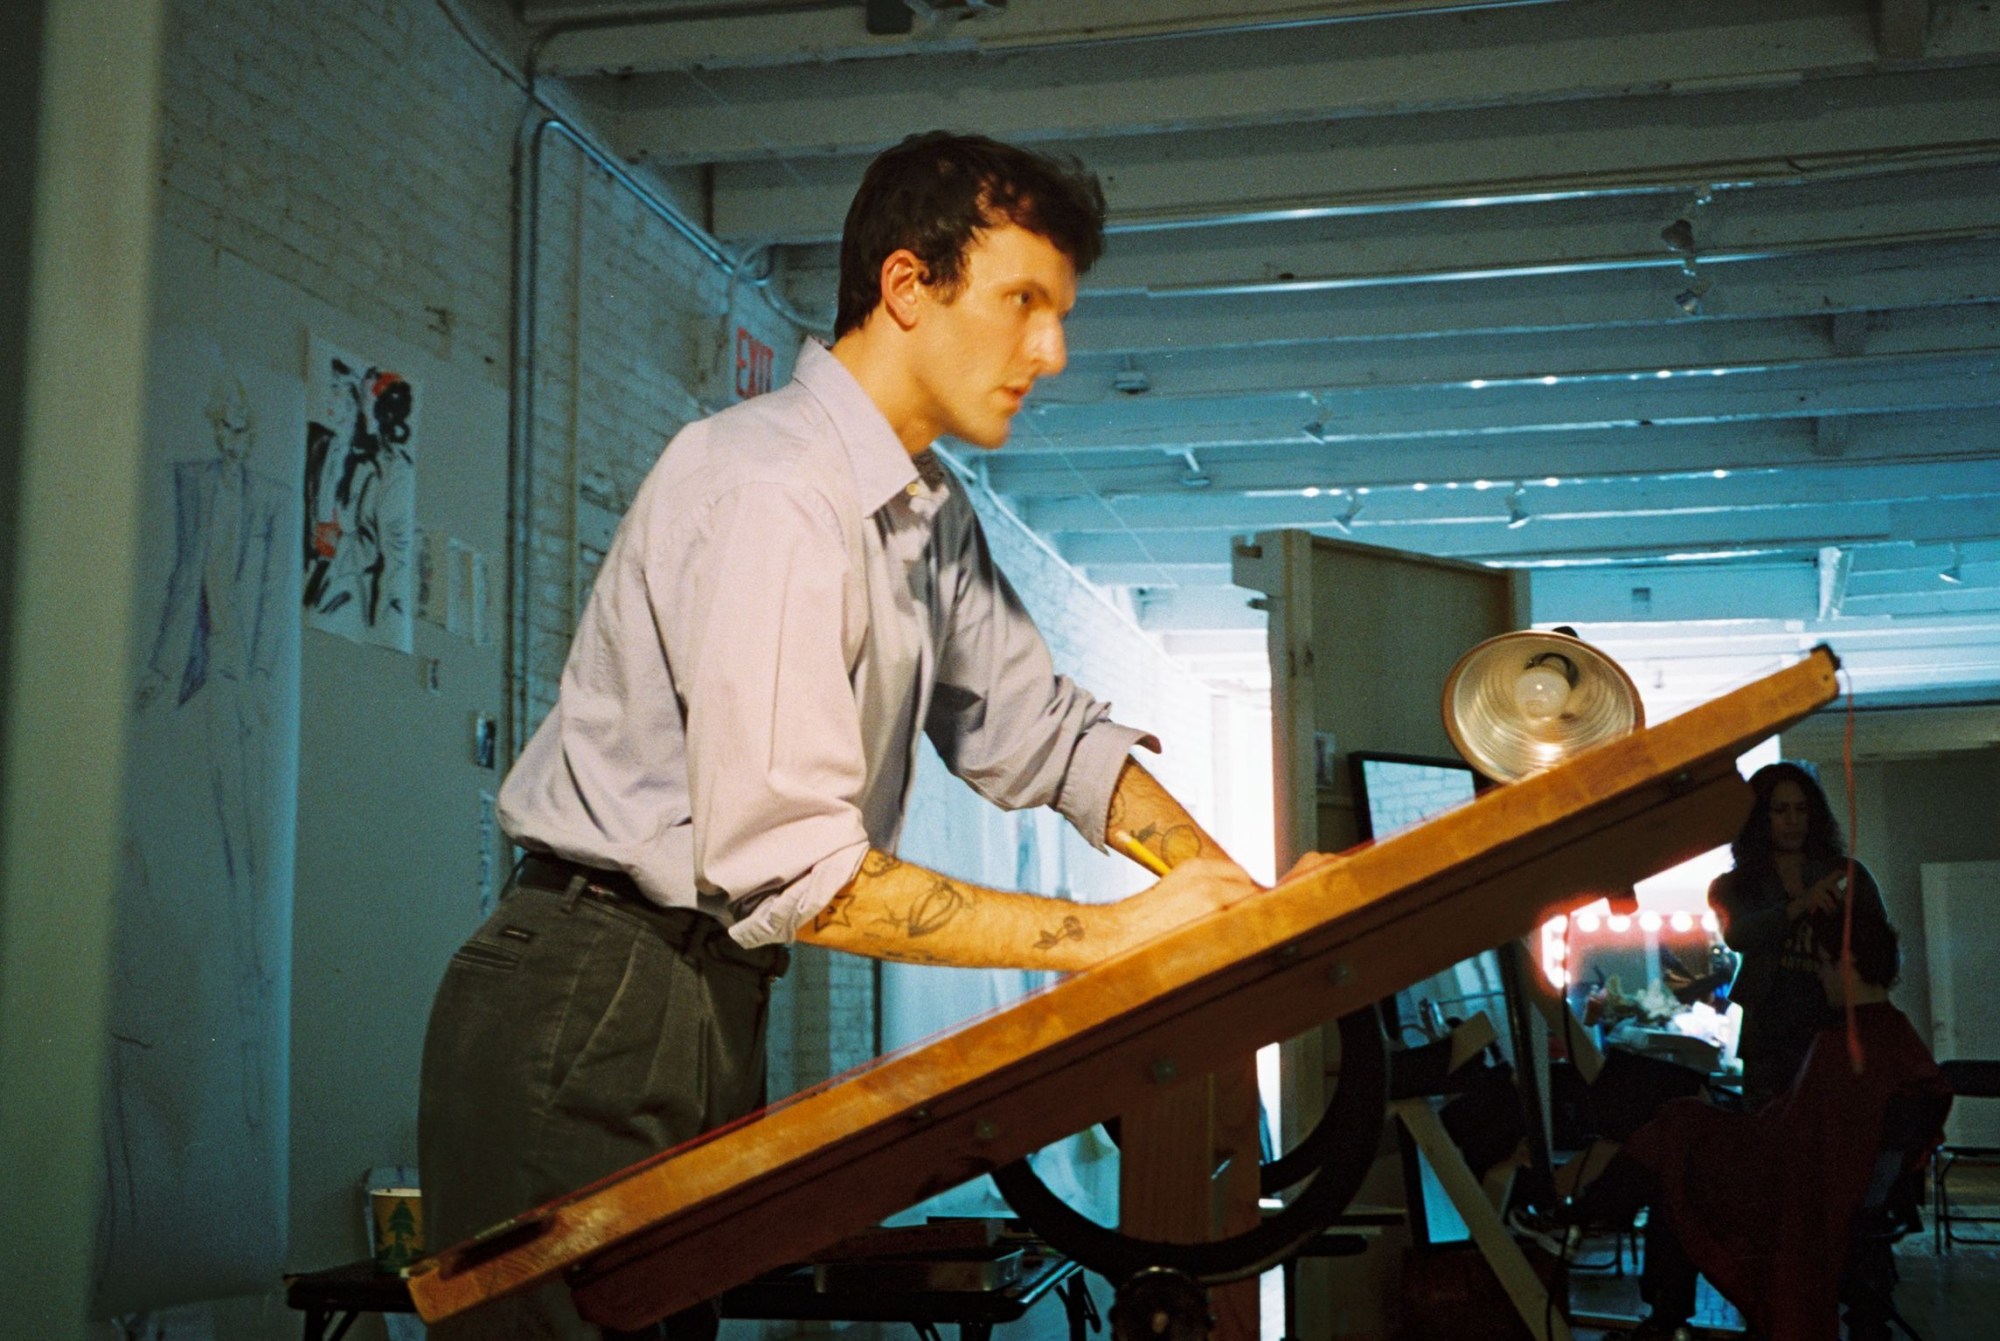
783 1183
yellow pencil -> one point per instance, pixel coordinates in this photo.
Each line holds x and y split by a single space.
1138 852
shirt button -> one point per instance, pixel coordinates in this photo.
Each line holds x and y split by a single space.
913 488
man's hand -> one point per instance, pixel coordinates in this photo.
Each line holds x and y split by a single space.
1307 864
1192 890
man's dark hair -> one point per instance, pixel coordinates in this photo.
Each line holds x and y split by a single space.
1878 952
933 191
1752 848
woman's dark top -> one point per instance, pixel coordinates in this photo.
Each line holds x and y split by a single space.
1777 983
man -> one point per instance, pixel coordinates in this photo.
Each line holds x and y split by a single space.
796 591
1761 1202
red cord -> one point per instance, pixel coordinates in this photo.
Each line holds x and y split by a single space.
1854 1050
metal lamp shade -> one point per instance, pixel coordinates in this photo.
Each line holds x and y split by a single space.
1483 710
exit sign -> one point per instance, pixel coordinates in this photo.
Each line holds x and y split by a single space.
753 365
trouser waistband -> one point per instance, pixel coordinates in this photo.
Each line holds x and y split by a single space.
687 930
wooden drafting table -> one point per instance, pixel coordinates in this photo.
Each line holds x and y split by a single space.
693 1222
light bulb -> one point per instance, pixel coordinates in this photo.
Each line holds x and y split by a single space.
1540 692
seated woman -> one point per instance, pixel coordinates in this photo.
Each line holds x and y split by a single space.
1761 1202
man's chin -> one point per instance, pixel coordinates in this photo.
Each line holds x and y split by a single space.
989 439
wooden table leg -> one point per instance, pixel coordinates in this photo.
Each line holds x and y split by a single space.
1169 1189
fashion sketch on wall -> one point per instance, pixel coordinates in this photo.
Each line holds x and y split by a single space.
360 499
195 1130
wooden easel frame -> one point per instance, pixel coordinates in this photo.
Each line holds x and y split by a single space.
687 1224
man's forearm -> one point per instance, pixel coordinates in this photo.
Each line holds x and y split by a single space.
898 910
1144 812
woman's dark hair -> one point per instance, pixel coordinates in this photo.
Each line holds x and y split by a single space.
933 191
1878 952
1752 848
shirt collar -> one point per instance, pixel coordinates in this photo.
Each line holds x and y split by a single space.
882 469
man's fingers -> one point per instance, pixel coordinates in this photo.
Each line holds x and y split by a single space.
1307 864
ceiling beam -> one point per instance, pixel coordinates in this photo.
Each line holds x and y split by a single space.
1850 214
1629 538
1107 379
1884 570
1963 435
619 36
1835 282
1588 499
1434 412
1204 81
1644 141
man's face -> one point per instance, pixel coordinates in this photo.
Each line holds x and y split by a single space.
980 351
1790 818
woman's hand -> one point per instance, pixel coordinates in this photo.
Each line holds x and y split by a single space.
1823 896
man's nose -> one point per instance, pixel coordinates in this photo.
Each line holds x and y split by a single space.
1051 353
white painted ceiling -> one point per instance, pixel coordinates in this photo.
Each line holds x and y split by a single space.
1692 307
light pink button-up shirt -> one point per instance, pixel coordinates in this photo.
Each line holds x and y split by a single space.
787 601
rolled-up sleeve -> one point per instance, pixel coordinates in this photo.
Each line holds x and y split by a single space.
752 600
1002 719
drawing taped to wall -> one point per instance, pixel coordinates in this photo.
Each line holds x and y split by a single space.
195 1126
360 498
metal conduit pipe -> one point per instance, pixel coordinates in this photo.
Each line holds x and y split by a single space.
526 334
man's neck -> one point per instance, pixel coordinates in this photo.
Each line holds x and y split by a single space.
871 359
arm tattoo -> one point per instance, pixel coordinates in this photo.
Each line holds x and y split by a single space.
835 912
1174 844
878 864
1070 930
935 907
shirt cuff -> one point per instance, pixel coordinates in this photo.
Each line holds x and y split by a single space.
1085 799
776 920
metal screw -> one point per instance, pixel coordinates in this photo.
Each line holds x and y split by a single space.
1341 975
983 1130
920 1115
1165 1071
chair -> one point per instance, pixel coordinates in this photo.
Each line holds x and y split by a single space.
1890 1211
1968 1080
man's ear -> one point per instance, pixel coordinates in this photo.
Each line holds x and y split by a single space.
903 282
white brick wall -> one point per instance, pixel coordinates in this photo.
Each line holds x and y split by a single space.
635 335
362 154
310 141
1113 659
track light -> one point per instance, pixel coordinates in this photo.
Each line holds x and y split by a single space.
1517 509
1196 477
1951 575
1345 521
